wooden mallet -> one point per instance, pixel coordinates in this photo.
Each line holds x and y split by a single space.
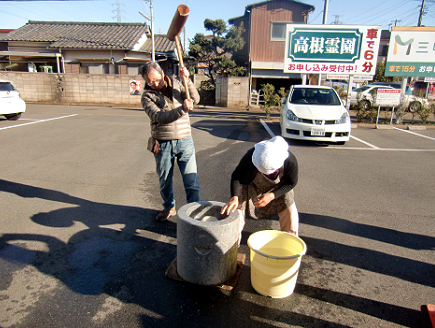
173 34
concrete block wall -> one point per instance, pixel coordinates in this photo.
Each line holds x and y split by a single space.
108 89
232 91
75 89
238 92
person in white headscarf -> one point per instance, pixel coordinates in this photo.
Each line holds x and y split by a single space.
262 185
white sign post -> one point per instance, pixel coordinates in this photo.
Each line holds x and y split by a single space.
388 97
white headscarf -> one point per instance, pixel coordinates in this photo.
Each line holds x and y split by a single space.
269 155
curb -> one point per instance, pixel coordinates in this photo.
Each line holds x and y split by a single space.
418 128
384 127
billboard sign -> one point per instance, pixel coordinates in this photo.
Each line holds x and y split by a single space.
331 49
411 52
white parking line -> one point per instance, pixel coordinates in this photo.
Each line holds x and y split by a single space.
372 147
29 119
414 133
267 128
40 121
381 149
365 142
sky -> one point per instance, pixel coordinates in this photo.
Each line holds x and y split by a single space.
14 14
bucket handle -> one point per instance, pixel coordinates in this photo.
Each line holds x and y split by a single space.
279 257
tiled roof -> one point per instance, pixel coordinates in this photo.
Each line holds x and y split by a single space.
81 35
161 44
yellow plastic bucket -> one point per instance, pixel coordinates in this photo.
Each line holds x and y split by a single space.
275 260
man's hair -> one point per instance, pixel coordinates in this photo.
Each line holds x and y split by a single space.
150 66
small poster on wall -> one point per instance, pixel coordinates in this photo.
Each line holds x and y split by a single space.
135 87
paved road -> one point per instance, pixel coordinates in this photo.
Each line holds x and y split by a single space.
79 248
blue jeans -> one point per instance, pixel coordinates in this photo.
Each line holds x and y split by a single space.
184 151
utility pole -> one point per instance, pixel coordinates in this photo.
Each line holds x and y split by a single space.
153 51
421 13
325 15
395 22
325 11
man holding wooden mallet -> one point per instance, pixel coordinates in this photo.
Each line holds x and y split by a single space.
167 101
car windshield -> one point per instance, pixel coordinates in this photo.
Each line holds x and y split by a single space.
314 96
6 86
364 88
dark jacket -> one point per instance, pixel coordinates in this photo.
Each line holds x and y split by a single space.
246 171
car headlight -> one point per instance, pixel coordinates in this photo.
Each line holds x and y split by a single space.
343 119
292 117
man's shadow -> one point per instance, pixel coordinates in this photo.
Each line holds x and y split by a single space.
90 213
91 258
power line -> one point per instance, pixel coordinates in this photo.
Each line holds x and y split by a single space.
43 0
380 13
379 9
9 13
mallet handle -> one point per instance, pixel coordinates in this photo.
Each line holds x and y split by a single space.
180 58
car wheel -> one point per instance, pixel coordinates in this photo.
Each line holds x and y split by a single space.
414 106
365 104
13 117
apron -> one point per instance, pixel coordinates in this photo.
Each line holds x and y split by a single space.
261 185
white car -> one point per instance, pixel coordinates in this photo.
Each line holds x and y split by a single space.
11 105
364 96
314 112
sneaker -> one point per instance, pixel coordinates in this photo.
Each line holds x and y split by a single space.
166 214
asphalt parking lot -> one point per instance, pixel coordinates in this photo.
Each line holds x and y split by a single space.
79 246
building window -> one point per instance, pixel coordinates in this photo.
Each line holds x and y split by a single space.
278 31
133 69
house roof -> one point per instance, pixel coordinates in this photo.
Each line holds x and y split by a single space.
262 2
309 7
81 35
161 44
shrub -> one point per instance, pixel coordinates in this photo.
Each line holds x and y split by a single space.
371 114
360 112
341 91
207 85
271 98
425 111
